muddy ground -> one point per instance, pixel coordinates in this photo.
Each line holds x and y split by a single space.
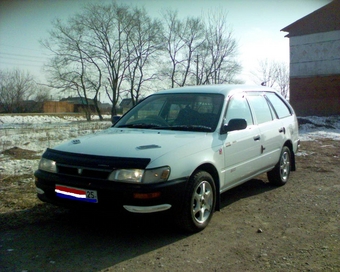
259 228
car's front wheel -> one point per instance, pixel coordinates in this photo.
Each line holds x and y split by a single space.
199 202
280 173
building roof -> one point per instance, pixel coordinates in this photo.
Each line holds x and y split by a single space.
325 19
78 100
126 102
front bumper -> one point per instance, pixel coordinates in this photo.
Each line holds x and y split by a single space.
137 198
147 209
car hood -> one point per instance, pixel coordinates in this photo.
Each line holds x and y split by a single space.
135 143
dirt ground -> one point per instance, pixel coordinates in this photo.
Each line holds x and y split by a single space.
259 228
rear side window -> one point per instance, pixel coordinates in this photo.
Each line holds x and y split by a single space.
260 107
280 107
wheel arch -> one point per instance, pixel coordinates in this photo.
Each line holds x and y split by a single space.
211 169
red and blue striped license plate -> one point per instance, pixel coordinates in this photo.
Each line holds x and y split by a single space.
76 194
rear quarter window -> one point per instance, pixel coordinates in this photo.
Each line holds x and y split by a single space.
280 107
260 108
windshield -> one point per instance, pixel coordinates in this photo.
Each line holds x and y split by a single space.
188 112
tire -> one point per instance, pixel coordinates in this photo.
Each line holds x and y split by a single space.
280 173
199 202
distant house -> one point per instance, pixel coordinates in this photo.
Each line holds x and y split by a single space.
105 107
79 103
315 62
125 104
57 107
73 104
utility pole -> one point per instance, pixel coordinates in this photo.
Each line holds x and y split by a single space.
197 69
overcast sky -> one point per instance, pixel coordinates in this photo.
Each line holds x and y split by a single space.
256 25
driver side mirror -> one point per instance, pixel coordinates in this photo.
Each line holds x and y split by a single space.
234 124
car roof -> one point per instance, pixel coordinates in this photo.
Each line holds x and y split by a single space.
225 89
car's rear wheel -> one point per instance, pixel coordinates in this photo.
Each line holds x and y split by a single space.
280 173
199 202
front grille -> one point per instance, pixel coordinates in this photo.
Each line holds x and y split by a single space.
83 172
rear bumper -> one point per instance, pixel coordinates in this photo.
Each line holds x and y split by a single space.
137 198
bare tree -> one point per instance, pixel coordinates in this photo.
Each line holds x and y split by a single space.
73 67
42 93
200 50
217 57
104 46
173 45
142 48
122 41
182 39
16 86
266 73
273 74
193 36
108 29
283 79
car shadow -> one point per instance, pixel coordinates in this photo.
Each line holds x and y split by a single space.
250 188
64 240
48 238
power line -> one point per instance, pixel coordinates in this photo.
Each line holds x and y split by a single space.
14 46
21 60
20 64
16 60
20 55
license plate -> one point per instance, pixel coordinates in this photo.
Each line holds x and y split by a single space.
76 194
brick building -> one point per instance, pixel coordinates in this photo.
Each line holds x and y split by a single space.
315 62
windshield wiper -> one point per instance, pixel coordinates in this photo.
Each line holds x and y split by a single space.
191 128
147 126
176 127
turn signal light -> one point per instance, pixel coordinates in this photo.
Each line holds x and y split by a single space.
147 195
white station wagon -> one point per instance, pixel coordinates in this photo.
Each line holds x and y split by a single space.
176 151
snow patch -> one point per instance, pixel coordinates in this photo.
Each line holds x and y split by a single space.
315 127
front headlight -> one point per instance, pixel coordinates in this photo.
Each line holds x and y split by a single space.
140 175
48 165
127 175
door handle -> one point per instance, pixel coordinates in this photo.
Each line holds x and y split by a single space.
282 130
257 138
262 149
